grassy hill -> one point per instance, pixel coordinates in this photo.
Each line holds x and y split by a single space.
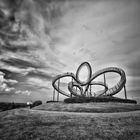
28 124
89 107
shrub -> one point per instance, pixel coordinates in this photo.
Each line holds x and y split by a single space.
51 101
7 106
97 99
36 103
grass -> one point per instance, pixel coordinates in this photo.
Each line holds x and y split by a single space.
89 107
49 122
26 124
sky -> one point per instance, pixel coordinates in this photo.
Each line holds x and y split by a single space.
57 36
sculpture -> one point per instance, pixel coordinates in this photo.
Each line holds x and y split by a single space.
77 83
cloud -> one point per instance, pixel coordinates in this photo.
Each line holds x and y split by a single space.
26 92
14 73
13 48
34 24
39 83
4 88
1 73
41 74
20 63
10 81
56 36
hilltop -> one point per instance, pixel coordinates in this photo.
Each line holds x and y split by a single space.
40 124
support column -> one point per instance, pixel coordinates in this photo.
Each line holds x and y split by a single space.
72 83
87 92
104 81
90 91
58 90
54 94
125 92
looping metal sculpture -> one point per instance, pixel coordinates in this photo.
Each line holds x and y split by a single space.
76 83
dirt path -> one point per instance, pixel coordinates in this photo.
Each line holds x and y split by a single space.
84 114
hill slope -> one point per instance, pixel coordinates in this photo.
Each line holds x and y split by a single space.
89 107
51 125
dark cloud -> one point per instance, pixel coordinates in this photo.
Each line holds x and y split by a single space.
15 48
12 75
40 75
20 63
12 5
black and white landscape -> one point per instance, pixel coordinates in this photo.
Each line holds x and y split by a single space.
40 39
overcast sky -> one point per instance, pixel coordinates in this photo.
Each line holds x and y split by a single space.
57 36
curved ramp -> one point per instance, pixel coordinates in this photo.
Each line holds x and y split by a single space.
118 87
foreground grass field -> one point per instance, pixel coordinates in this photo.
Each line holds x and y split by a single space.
28 124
